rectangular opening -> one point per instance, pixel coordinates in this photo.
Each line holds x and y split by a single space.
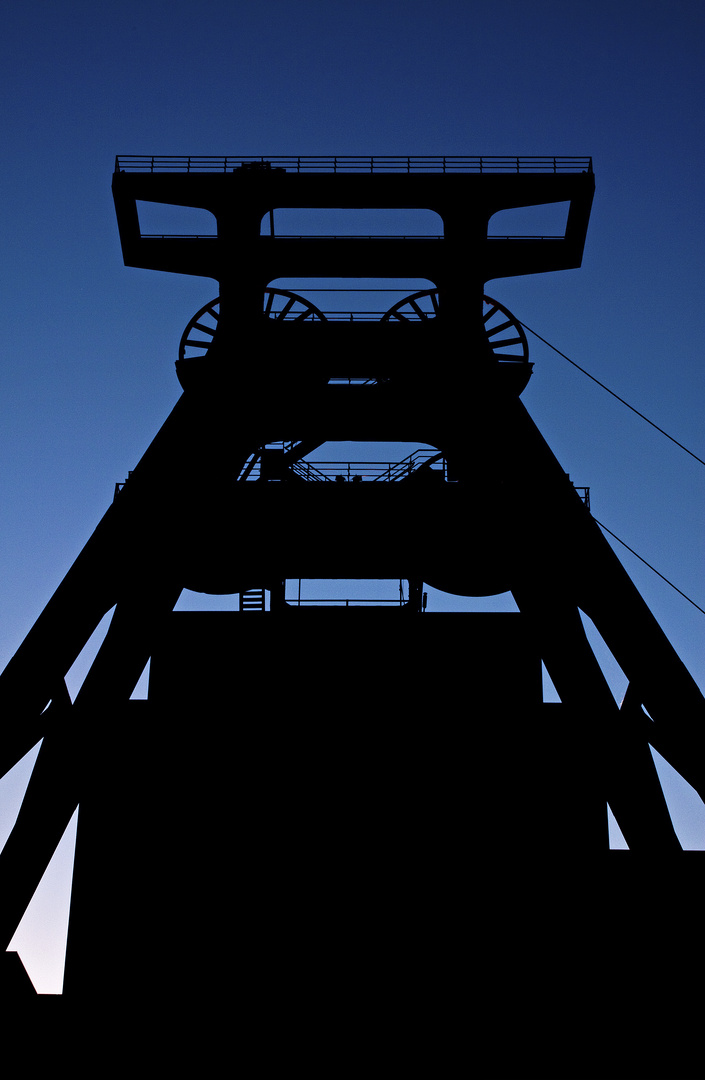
304 222
546 221
353 299
166 220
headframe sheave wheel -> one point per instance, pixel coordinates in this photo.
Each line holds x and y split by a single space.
505 334
280 305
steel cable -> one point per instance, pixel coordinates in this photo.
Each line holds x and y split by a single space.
653 425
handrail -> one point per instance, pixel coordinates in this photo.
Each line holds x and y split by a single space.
341 601
307 471
398 236
366 471
349 236
387 471
178 236
352 236
454 163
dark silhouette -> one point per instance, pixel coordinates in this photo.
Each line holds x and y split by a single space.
340 803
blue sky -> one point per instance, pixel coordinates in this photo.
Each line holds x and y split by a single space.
86 373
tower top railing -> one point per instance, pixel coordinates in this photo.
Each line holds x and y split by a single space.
351 164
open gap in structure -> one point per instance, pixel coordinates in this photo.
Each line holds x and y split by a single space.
616 838
166 220
141 686
684 804
545 221
82 664
310 222
197 601
13 786
344 592
379 462
40 938
354 299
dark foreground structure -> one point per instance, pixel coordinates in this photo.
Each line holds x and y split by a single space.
332 825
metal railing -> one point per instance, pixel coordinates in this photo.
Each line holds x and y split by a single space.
341 601
330 236
390 236
358 471
178 236
352 236
453 163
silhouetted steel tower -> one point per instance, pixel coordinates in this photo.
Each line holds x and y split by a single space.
290 759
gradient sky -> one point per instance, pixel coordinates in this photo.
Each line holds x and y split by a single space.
86 373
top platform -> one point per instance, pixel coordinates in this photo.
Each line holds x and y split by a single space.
352 164
465 192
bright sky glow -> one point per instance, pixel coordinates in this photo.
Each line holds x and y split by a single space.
87 374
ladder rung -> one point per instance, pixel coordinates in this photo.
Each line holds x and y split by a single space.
252 600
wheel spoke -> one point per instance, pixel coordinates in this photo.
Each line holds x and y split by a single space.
204 329
491 331
212 310
510 326
414 312
508 341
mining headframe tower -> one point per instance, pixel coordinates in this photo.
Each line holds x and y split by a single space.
307 785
